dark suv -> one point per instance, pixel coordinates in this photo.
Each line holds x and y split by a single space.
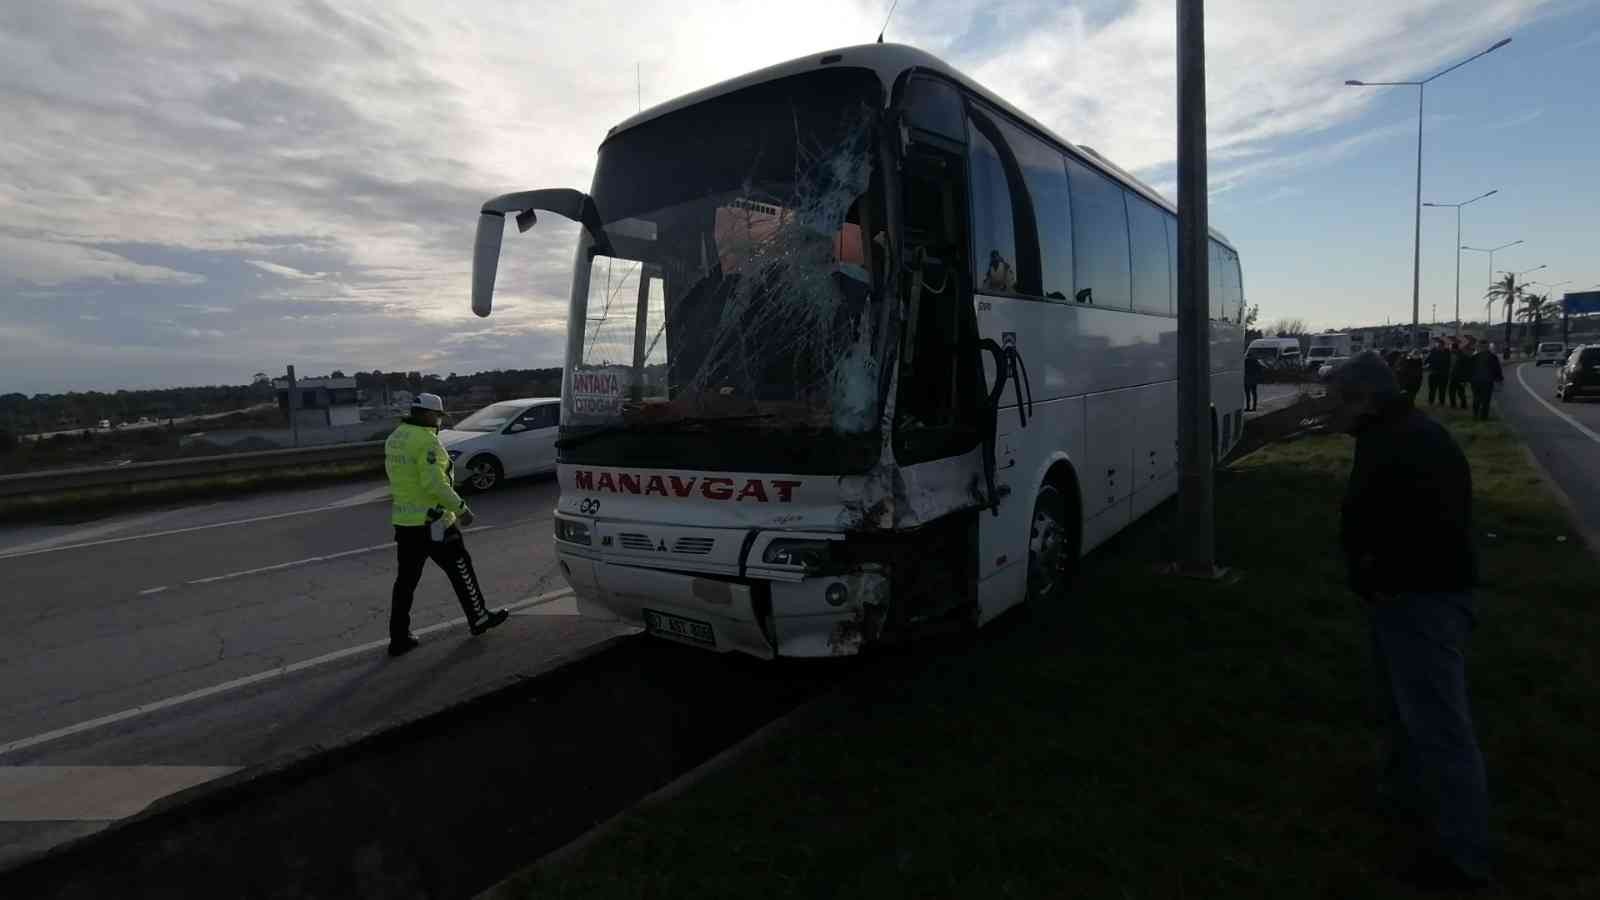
1580 375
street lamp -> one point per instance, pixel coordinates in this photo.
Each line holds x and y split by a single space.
1538 320
1491 251
1416 239
1458 248
1511 301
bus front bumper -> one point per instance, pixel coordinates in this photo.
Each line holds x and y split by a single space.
815 617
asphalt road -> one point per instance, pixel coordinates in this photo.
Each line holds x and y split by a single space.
147 652
1564 437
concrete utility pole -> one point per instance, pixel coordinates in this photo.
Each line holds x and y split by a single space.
294 408
1196 516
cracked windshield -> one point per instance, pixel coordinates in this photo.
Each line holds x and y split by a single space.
740 288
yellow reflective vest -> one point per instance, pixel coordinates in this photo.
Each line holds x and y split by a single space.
419 476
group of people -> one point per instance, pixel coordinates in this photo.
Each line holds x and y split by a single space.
1451 366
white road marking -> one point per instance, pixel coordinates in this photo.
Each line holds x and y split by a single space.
92 793
155 590
246 681
312 559
155 534
1582 429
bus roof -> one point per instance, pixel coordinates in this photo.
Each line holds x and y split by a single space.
889 62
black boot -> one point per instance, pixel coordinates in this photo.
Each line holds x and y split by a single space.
489 620
399 646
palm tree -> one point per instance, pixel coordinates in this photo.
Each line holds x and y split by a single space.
1505 291
1535 308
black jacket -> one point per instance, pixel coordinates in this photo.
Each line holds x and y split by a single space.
1460 366
1407 518
1486 368
1438 362
1252 370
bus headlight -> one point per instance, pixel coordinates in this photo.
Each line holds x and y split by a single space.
572 532
797 552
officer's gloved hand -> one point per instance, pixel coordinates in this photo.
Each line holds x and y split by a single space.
465 519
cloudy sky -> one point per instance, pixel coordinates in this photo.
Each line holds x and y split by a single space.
190 193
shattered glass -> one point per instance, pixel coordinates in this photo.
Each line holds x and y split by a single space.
743 284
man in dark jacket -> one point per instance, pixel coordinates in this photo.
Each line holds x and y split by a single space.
1252 379
1416 572
1486 373
1410 374
1438 366
1460 367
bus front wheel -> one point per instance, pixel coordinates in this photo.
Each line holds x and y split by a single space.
1052 547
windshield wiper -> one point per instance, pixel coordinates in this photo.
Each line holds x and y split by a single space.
655 427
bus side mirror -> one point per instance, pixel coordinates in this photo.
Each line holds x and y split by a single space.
565 202
486 260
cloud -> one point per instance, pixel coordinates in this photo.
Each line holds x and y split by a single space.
285 271
1515 121
51 263
306 176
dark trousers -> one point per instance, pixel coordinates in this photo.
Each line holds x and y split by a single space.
1482 391
1458 394
415 548
1437 388
1432 767
1251 401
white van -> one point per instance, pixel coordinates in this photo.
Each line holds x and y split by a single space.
1275 353
1552 352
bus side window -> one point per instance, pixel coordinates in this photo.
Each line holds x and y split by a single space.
1100 238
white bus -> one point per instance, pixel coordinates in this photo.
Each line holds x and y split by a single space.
857 350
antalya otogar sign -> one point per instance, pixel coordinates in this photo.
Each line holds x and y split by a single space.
757 490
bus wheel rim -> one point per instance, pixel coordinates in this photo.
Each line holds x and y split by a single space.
1045 546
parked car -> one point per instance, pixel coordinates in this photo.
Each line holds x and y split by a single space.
1329 365
1552 352
105 425
504 440
1581 374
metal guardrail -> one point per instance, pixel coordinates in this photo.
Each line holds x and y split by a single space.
61 481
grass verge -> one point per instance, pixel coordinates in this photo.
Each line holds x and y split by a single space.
1160 738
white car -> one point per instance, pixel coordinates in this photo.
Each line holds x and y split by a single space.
1328 367
1550 352
504 440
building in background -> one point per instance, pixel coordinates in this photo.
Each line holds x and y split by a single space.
322 402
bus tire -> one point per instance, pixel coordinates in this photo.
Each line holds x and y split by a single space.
1052 547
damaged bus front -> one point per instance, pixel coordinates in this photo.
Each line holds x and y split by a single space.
733 469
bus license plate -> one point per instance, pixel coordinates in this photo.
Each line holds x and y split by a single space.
668 625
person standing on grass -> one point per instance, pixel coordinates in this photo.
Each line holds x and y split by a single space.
1252 379
1410 374
1460 369
1416 573
1486 373
1438 366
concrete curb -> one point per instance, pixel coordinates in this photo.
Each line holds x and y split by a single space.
299 765
664 794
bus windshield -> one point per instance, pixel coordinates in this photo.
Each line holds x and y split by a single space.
740 285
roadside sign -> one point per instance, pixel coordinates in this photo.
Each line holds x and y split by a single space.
1583 302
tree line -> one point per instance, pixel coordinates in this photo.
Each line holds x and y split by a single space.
21 414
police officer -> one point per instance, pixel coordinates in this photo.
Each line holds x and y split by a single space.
428 516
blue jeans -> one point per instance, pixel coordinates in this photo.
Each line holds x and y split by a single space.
1433 765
